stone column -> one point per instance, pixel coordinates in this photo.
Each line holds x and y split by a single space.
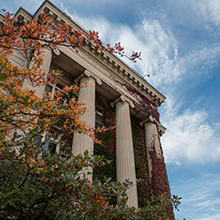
45 67
124 151
82 142
157 168
152 143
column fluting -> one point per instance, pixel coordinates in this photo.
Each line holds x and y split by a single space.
45 67
124 151
82 142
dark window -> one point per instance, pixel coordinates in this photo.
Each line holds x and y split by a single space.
50 142
50 146
99 119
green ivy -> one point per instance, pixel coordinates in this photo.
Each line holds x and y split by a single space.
109 170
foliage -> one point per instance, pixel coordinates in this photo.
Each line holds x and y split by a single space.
38 185
141 164
109 170
35 184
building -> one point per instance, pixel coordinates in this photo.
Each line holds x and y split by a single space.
115 95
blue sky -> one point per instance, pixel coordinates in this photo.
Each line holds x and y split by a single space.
180 46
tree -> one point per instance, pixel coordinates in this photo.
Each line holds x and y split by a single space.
36 184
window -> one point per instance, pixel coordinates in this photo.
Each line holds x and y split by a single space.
52 142
99 119
51 88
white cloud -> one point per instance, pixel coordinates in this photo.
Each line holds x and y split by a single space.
210 217
209 9
208 203
200 194
189 136
204 57
12 6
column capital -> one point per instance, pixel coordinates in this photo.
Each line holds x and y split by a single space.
45 46
150 118
122 98
88 74
56 51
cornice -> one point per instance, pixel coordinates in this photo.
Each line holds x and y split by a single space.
23 15
126 73
122 74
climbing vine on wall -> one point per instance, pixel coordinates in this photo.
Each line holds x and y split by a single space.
66 145
144 103
147 189
141 163
108 138
109 170
159 179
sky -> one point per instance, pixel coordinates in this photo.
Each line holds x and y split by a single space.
180 46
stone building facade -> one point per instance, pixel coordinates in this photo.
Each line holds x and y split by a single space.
115 95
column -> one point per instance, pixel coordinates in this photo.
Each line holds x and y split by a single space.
157 168
45 67
82 142
124 151
152 143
